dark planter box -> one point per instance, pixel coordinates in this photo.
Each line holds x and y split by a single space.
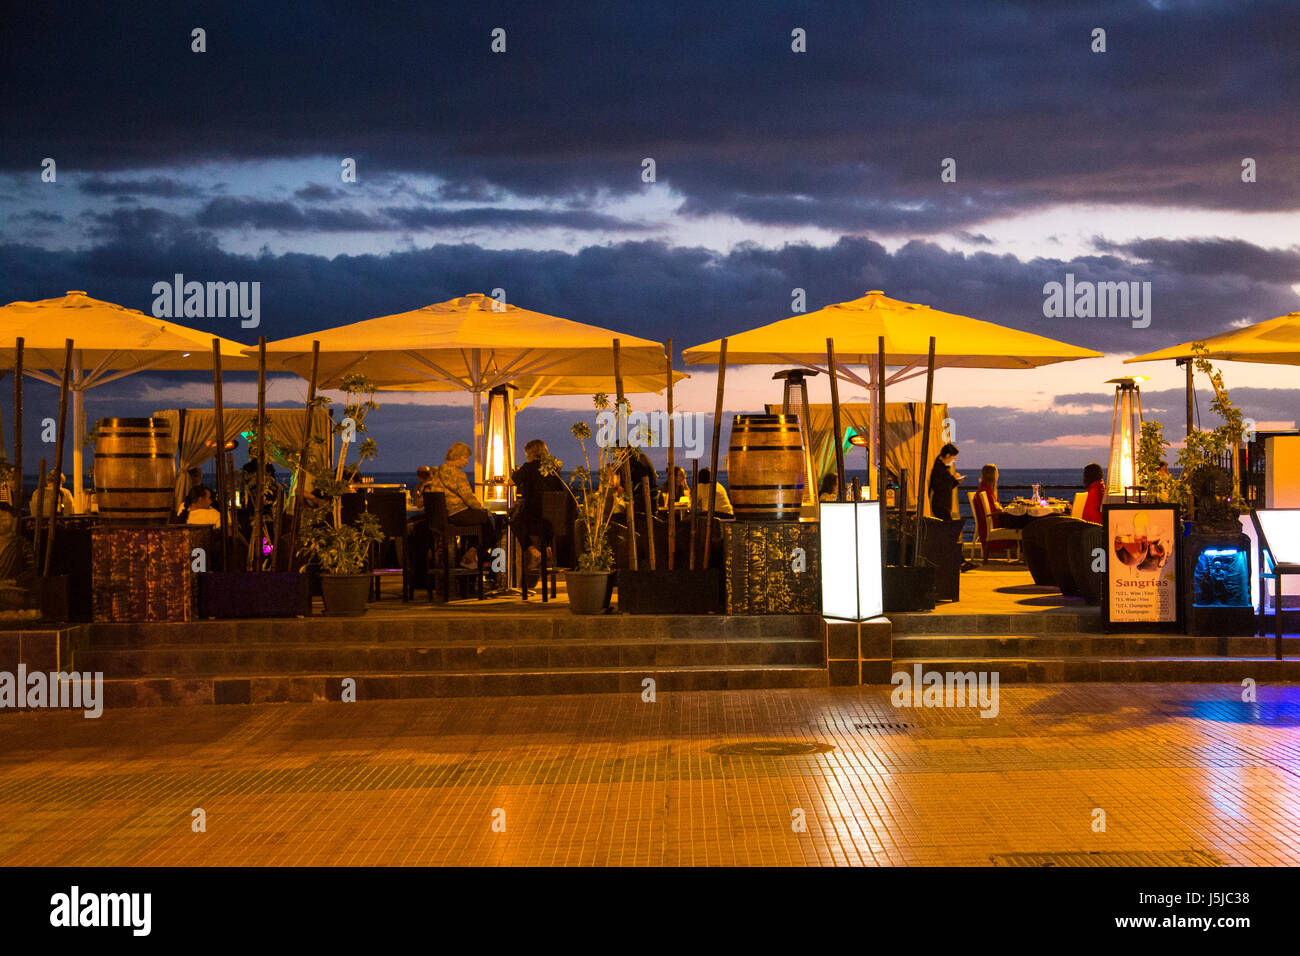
909 589
1216 585
246 594
53 592
680 591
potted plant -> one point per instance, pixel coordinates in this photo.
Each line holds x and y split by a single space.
1216 555
340 550
590 584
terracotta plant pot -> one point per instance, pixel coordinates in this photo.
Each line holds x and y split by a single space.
345 594
589 591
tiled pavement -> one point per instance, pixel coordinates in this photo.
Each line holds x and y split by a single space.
612 780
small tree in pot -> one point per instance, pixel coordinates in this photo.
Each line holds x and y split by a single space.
340 550
589 584
1216 563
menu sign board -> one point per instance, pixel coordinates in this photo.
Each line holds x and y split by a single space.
1141 564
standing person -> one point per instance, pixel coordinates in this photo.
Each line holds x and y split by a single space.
722 506
463 506
944 482
529 524
830 487
1094 480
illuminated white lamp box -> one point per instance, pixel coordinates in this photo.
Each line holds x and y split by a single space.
850 560
1281 528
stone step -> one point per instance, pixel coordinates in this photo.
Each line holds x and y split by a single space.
480 628
273 688
1086 620
355 659
1113 669
1039 646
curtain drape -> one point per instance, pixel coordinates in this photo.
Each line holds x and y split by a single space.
903 424
195 432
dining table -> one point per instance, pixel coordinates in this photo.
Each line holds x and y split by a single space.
1037 509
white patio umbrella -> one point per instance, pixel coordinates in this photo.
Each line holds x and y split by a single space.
109 342
857 326
472 343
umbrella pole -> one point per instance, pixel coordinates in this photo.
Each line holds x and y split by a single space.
649 521
58 454
629 493
695 500
923 480
300 488
78 429
717 436
258 528
835 420
673 491
18 426
880 454
222 487
1191 392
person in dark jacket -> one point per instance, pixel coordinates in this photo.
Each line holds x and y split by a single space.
528 524
944 481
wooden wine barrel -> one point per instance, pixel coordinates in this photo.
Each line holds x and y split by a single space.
765 467
135 470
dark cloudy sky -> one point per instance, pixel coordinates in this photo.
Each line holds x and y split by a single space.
775 170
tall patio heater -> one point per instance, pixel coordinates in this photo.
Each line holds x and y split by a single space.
499 448
1125 431
794 401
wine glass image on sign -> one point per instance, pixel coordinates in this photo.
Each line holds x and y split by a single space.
1137 549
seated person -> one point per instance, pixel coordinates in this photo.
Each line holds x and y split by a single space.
721 504
199 508
641 467
680 486
830 488
611 488
997 517
55 492
463 506
1094 480
530 486
423 474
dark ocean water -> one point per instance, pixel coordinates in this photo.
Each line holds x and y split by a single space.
1012 481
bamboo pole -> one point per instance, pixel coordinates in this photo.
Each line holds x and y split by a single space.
880 454
36 528
672 479
223 486
923 480
695 500
258 528
835 420
649 521
717 436
18 426
58 453
629 493
300 489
